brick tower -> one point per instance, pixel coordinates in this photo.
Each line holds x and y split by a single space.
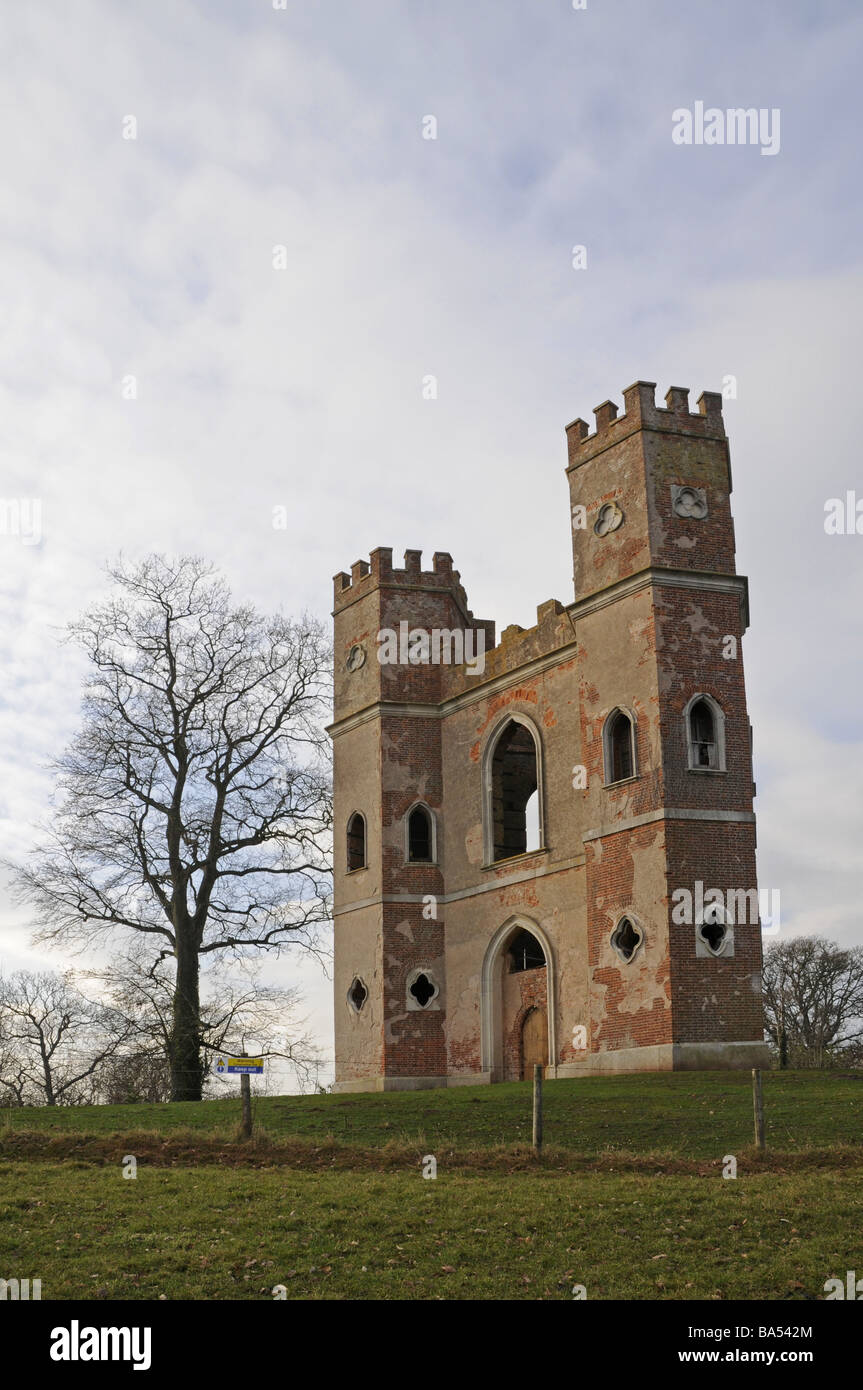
547 851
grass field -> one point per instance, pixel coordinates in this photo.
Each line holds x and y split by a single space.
697 1114
329 1198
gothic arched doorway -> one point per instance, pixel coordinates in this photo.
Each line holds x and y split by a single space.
518 1001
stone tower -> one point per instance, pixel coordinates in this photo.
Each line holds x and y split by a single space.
545 848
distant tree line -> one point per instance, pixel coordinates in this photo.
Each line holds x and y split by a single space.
106 1038
813 1003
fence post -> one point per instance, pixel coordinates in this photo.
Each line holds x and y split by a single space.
758 1106
537 1109
246 1094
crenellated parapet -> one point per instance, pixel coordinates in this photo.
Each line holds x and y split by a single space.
518 647
642 413
378 572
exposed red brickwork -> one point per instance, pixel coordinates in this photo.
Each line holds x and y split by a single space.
691 630
630 1003
717 999
415 1038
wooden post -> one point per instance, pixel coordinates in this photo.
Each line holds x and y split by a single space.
537 1109
758 1105
246 1096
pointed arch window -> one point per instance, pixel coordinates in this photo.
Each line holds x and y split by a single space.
705 734
356 841
618 737
525 953
421 837
512 786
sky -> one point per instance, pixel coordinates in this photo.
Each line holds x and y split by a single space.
230 256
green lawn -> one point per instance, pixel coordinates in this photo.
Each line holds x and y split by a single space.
628 1198
695 1114
215 1233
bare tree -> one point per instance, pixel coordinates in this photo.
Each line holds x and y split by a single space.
136 1077
14 1084
237 1014
813 1001
195 807
55 1039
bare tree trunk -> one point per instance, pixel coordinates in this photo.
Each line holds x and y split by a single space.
50 1098
186 1071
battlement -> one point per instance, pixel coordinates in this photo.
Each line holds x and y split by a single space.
517 647
642 413
378 572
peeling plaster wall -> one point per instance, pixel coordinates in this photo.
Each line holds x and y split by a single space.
617 667
523 991
415 1039
630 1003
359 1037
545 887
357 949
550 702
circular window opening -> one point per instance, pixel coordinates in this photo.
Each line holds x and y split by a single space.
423 990
626 939
358 994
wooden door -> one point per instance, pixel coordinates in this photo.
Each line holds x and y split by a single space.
534 1043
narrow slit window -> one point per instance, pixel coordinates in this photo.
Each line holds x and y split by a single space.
620 750
356 841
419 836
702 735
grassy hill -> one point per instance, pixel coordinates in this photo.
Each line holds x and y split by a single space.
329 1200
694 1114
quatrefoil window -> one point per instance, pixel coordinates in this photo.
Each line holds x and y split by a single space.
689 502
422 990
609 518
626 939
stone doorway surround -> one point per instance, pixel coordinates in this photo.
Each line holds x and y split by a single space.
491 998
